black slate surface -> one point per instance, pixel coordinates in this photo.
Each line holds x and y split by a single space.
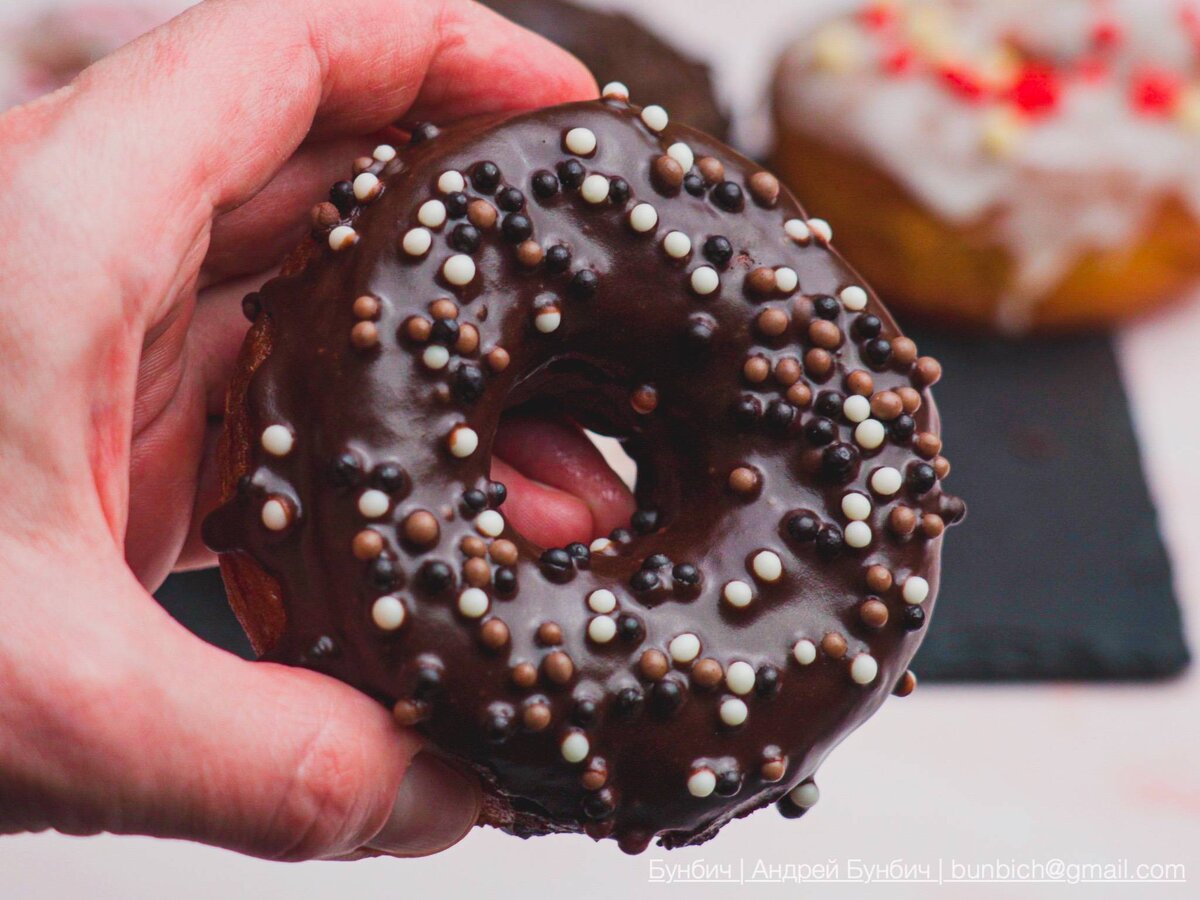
1058 572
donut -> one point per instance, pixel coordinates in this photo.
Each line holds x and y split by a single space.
1016 166
614 45
774 583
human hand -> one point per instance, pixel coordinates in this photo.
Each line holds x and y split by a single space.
141 203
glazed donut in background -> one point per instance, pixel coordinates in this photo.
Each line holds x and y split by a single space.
650 283
1019 165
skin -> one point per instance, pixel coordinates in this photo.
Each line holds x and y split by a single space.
141 202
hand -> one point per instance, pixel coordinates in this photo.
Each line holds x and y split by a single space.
139 204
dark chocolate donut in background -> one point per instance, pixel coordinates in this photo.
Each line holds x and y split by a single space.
655 286
613 45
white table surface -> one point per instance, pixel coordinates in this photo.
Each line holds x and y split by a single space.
1078 773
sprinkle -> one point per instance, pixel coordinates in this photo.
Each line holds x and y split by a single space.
915 590
863 669
822 229
858 535
602 601
594 189
388 613
275 514
856 506
489 523
580 141
451 182
886 481
615 90
575 747
599 545
738 594
432 213
734 712
805 652
463 441
701 783
786 280
805 795
655 118
1001 132
373 504
684 647
342 236
857 408
473 603
682 154
643 218
836 47
417 242
797 230
384 153
436 356
547 320
740 677
602 629
677 244
870 434
366 186
459 269
854 298
705 280
277 440
767 566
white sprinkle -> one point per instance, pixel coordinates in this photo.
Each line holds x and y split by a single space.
655 117
886 481
580 141
821 229
702 783
677 244
684 647
615 90
599 545
856 506
436 356
858 535
373 504
805 795
473 603
733 712
740 677
417 242
738 594
575 747
602 629
275 515
384 153
797 230
459 269
277 440
547 320
705 280
786 280
602 601
489 523
366 186
767 565
915 590
463 441
864 669
594 189
870 434
682 154
432 213
388 613
643 218
342 236
451 182
857 408
854 298
805 652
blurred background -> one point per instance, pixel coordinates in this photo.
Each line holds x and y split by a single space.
1021 180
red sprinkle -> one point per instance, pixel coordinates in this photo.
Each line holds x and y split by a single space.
963 82
1092 69
1155 92
1036 89
879 15
1106 33
899 61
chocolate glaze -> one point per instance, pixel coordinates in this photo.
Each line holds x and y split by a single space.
384 406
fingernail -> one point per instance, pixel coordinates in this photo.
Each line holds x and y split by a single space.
435 807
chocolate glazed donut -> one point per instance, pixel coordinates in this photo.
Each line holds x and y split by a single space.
654 285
